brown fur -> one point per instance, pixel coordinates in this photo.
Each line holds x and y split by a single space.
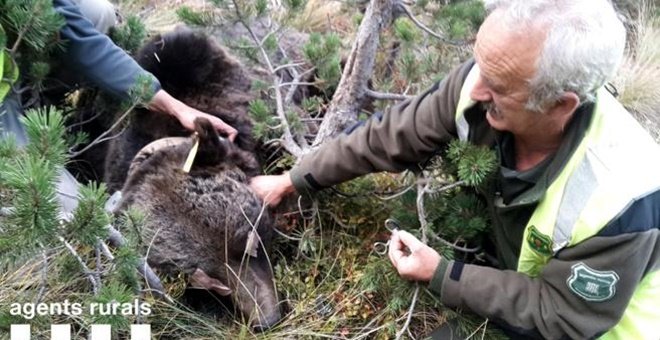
202 220
196 70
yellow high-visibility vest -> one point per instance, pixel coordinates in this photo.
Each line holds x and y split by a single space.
600 180
8 68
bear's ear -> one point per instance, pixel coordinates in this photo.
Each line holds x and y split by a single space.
200 280
212 149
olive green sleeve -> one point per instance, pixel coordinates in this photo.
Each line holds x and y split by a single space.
559 303
406 134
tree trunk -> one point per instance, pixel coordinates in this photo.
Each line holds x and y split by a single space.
345 105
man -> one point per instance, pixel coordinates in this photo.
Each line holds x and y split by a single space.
576 203
91 55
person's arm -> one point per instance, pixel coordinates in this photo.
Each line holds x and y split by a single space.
96 58
405 135
163 102
563 302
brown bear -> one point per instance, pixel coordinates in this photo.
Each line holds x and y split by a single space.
207 223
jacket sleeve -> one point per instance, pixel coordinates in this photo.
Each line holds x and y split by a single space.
551 306
94 56
406 134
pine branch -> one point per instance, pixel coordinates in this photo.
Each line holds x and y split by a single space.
288 140
23 31
419 24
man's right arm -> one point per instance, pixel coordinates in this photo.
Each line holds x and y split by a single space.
407 134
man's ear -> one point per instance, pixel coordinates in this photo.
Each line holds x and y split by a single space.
565 106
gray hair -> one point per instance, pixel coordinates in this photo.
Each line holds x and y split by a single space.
584 45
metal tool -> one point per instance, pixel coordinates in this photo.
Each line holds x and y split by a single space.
381 248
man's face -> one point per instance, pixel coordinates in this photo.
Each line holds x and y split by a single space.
507 63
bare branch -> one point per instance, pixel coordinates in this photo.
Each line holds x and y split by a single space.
88 272
395 195
296 83
44 276
428 190
6 211
422 187
100 138
287 139
296 79
291 65
106 251
428 30
386 96
153 282
403 329
86 120
454 246
97 272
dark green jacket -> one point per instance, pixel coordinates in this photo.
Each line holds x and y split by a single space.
545 306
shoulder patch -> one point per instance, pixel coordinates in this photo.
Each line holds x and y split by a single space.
592 285
539 242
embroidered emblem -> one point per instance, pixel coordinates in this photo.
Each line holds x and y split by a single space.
538 241
591 284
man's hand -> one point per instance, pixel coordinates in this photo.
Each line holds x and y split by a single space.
413 259
271 189
164 102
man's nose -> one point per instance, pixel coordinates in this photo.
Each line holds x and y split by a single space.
480 92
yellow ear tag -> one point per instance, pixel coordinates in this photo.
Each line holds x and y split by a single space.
191 155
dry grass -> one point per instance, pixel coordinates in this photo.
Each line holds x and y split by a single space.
638 75
320 16
160 15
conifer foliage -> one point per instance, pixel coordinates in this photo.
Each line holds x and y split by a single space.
30 28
